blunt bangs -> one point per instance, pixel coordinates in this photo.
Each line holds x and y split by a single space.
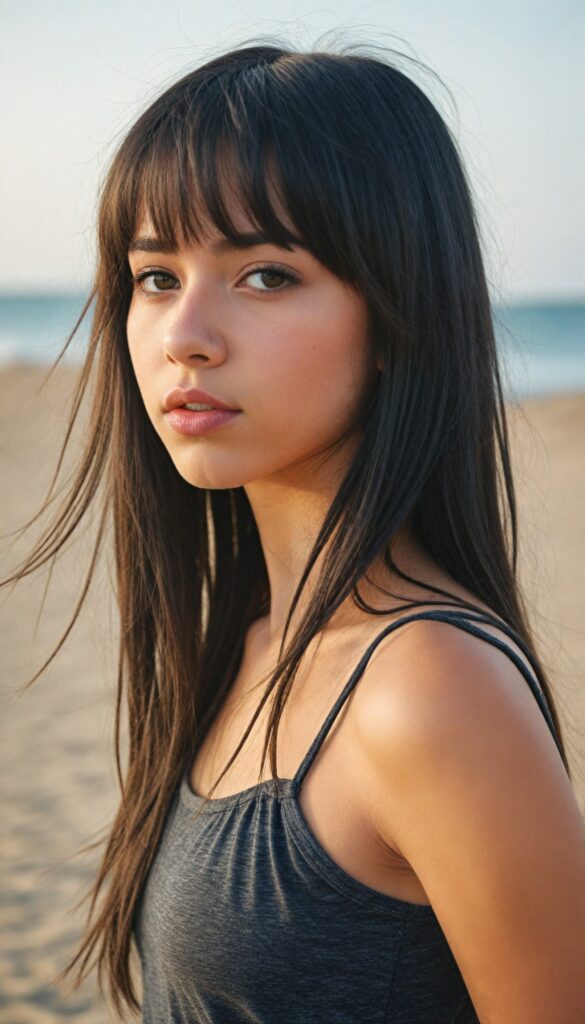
241 143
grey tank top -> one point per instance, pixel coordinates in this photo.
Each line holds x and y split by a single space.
245 918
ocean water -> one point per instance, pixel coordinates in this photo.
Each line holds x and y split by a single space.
541 345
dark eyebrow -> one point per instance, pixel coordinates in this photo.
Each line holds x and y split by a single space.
147 243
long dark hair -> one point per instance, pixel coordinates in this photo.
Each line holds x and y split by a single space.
371 177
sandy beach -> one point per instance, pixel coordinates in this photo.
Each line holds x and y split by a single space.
58 777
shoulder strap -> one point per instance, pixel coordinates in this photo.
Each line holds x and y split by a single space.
458 618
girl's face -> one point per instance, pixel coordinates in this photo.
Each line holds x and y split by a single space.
270 332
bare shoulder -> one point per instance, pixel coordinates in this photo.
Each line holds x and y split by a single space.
472 790
434 675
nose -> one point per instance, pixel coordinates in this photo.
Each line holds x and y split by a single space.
192 330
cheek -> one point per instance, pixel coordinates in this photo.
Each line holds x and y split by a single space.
145 363
311 380
132 335
302 378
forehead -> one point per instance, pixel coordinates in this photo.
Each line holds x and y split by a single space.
175 206
145 240
242 232
208 233
184 209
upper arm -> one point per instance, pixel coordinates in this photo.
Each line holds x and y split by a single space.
474 792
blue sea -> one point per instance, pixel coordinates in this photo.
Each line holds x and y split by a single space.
542 345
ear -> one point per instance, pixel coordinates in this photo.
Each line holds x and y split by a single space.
379 364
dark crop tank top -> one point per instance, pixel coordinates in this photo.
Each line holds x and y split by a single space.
245 918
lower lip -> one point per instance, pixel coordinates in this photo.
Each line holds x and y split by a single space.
187 421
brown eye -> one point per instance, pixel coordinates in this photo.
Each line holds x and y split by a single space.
163 282
283 278
268 277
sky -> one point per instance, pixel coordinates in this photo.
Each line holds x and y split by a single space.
76 74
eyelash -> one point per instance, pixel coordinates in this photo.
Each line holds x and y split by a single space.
261 268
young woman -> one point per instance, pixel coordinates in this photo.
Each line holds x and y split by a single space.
328 553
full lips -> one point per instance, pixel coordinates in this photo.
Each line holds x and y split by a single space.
190 422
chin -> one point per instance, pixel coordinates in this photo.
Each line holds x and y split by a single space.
202 473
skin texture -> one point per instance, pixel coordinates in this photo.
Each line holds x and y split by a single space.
464 781
294 358
474 794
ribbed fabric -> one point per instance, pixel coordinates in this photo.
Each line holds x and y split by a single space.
245 918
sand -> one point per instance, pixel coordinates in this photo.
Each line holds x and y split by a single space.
58 780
